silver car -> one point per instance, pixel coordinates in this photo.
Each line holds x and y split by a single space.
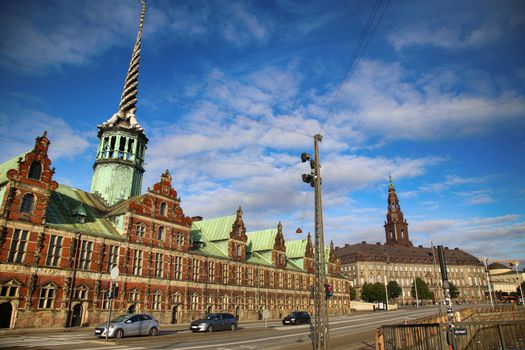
131 324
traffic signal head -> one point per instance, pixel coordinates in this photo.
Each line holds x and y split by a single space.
329 290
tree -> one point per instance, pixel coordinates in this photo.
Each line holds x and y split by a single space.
353 293
394 290
423 293
454 292
373 292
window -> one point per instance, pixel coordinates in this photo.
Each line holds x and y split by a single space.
134 295
159 259
180 238
272 279
195 267
239 231
156 300
176 298
194 301
137 262
53 253
160 233
86 250
18 246
238 275
239 250
250 277
35 170
81 293
112 257
211 272
9 289
177 268
225 275
47 297
162 209
27 203
141 230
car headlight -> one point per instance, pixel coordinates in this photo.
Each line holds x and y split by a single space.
202 324
292 319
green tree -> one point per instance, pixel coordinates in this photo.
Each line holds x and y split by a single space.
373 292
423 292
394 290
353 293
454 291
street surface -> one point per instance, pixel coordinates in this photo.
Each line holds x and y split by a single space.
346 332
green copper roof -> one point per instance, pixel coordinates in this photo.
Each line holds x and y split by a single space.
259 259
261 240
295 249
65 199
216 229
8 165
296 265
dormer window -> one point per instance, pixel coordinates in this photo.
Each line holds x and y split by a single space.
27 203
163 209
35 170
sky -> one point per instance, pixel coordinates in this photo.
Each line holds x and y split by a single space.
232 92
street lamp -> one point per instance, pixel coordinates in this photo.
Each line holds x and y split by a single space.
519 283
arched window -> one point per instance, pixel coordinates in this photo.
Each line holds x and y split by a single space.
160 233
239 250
35 170
27 203
163 209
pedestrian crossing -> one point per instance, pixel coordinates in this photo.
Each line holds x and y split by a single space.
41 340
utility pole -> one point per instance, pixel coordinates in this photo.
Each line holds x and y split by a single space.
451 337
321 332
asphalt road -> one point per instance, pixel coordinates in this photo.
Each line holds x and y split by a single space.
346 332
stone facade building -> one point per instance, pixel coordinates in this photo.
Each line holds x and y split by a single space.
58 244
398 260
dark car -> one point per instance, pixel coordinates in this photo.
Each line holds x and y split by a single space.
214 322
131 324
297 317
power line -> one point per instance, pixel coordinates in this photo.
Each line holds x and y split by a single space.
364 40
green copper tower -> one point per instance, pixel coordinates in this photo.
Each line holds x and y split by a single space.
118 168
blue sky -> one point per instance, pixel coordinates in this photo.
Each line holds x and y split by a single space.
230 93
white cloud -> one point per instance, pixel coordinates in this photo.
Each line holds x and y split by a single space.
25 125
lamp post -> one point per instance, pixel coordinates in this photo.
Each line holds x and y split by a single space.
415 287
488 282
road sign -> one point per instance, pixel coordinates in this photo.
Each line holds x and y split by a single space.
460 331
114 273
266 314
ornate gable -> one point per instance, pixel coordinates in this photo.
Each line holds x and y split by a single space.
238 239
279 248
31 184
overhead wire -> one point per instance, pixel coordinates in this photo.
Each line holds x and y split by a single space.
365 38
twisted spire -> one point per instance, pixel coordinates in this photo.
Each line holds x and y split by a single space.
128 101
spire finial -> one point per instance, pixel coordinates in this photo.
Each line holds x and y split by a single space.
390 183
128 101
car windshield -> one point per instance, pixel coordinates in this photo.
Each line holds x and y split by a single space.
212 316
295 314
121 318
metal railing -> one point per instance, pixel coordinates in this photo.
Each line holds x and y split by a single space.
487 335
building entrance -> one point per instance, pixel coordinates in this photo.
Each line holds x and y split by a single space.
6 311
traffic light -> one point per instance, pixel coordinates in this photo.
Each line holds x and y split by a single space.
115 291
329 290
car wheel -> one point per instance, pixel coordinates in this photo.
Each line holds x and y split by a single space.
119 333
232 327
210 328
153 331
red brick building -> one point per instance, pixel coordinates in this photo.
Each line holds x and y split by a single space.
58 244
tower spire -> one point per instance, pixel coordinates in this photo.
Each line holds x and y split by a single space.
119 165
128 101
396 227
